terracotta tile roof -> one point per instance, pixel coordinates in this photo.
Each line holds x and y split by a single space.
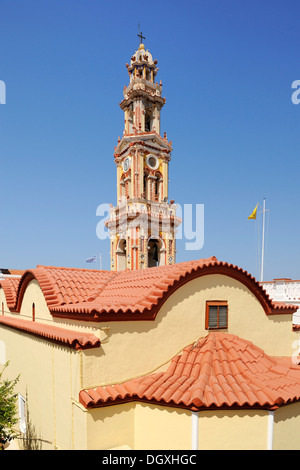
70 338
70 285
60 286
109 295
282 305
10 287
219 370
16 272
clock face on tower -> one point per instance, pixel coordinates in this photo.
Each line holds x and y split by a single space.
126 164
152 161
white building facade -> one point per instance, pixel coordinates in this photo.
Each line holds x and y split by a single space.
285 290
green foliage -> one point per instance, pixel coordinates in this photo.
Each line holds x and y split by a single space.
8 408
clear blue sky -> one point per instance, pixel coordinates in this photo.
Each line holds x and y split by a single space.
227 67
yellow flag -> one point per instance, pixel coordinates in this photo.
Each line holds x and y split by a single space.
253 215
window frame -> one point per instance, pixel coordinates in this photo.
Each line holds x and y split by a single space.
22 413
215 303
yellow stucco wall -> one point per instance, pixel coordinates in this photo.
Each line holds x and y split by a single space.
53 375
142 426
138 426
79 437
111 427
48 377
162 428
33 294
287 428
233 430
29 359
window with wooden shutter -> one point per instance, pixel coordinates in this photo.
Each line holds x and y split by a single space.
216 315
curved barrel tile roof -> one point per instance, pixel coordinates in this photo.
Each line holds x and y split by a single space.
60 286
70 338
10 287
219 370
127 295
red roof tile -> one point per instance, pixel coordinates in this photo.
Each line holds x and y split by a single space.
10 287
219 370
109 295
16 272
70 338
64 286
60 286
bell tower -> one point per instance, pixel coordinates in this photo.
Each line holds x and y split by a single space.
143 223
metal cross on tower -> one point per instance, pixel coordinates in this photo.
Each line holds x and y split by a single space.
141 37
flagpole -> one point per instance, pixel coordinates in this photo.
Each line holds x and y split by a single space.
263 242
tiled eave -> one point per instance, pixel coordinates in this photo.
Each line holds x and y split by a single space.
70 338
219 371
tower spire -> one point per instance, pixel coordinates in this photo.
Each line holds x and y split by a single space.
142 225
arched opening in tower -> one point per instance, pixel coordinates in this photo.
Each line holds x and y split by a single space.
145 183
121 255
155 253
158 186
148 121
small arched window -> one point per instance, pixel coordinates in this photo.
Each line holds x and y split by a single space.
148 121
122 188
2 308
121 255
130 121
146 189
158 186
33 312
155 252
128 187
